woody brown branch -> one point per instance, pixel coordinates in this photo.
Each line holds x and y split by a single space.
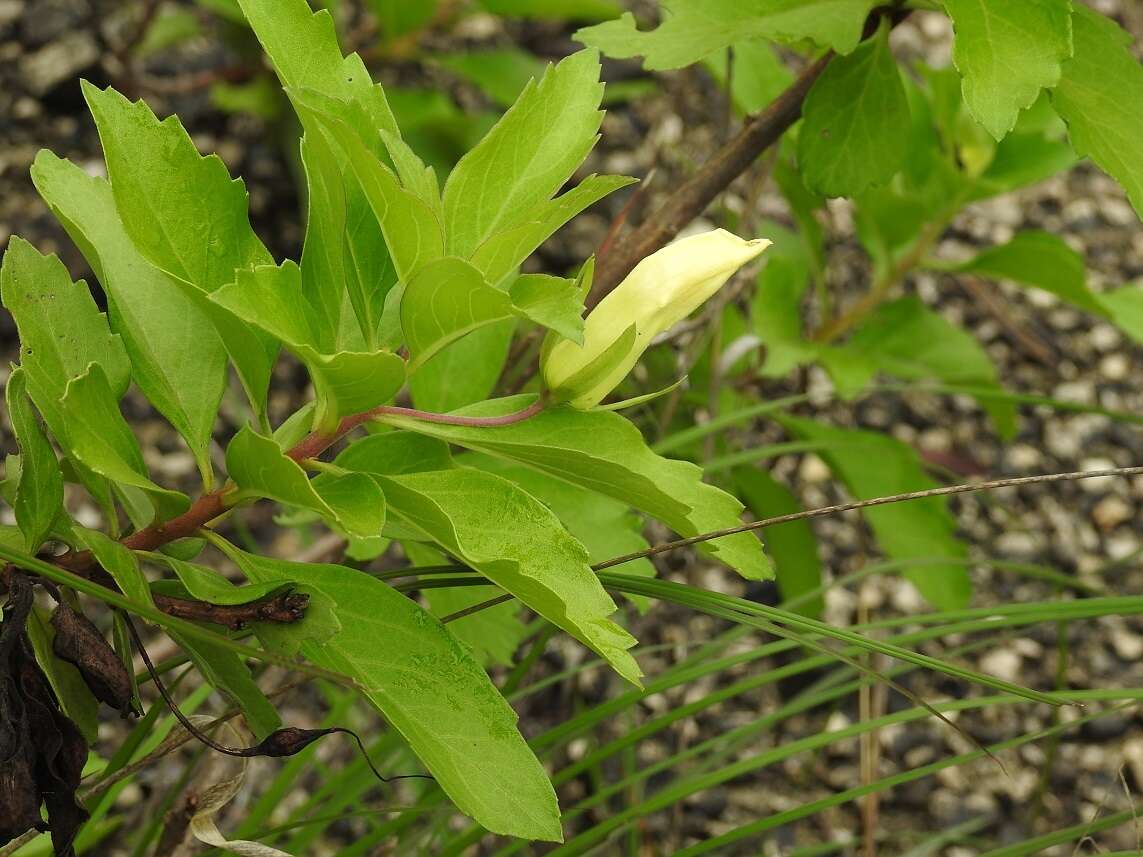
281 608
692 197
285 608
697 192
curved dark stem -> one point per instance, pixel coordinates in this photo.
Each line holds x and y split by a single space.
369 762
193 730
286 741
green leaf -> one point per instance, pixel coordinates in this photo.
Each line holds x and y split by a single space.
852 134
121 564
503 252
445 300
328 272
906 339
39 489
431 690
518 544
208 585
500 73
464 372
493 634
792 545
354 381
177 359
698 28
606 527
527 156
226 10
225 672
169 28
553 302
644 398
411 227
1038 259
757 74
184 549
777 304
1125 306
61 330
399 18
1023 159
259 97
345 251
873 464
182 210
353 503
346 247
1007 52
272 299
100 439
418 179
185 215
302 45
392 453
604 452
1100 97
554 10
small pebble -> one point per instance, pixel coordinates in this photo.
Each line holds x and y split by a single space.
813 470
1018 545
1115 367
1128 645
1002 663
1062 439
1023 458
61 60
1104 337
1110 512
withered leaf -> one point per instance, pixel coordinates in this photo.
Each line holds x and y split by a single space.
60 752
19 795
42 752
79 642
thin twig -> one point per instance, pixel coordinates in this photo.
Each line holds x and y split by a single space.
213 504
864 504
695 194
821 513
884 285
1028 342
284 742
620 219
476 608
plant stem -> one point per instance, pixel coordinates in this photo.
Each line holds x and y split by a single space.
213 504
316 443
944 491
884 284
821 513
692 197
695 194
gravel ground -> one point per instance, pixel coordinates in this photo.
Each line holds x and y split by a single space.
1090 529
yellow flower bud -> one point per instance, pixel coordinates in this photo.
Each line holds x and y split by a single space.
659 292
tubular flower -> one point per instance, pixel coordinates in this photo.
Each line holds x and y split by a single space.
659 292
